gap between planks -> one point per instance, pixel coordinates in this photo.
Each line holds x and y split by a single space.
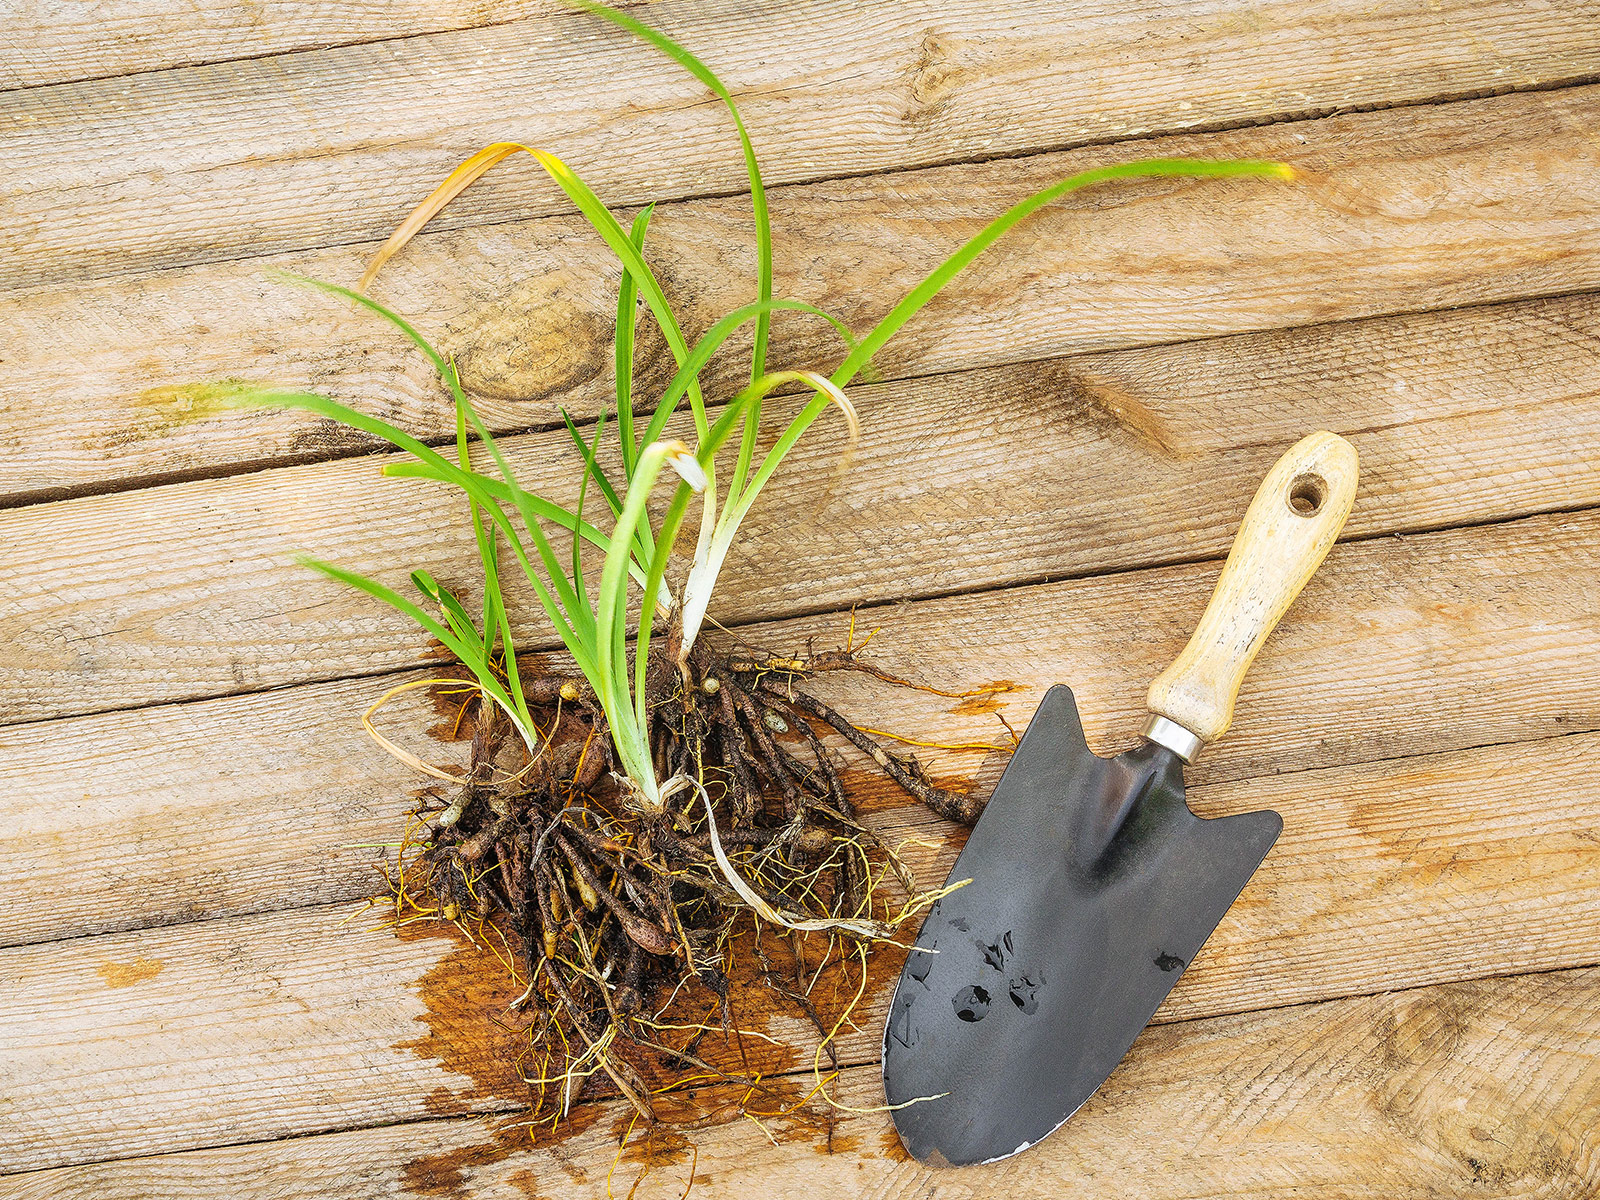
1449 655
287 28
360 447
856 1076
424 18
865 609
1303 930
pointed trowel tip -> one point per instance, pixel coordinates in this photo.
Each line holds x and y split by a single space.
933 1158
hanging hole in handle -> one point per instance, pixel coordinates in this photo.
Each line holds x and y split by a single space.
1306 494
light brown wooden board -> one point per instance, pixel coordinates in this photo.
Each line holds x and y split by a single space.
970 481
251 803
157 816
1417 209
335 146
1301 55
1485 1088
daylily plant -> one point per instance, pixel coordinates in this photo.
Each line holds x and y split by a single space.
593 627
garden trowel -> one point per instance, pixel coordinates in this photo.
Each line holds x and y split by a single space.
1092 884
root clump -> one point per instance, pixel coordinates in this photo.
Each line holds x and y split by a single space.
636 931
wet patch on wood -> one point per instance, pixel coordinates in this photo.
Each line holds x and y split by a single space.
451 1173
448 1173
467 991
985 699
889 1145
872 793
464 995
453 704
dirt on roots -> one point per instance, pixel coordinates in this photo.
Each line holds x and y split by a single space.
632 930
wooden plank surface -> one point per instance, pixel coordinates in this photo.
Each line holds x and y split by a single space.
1349 55
1487 1088
974 481
245 1028
1092 404
53 43
1467 637
158 816
1416 209
255 1044
335 146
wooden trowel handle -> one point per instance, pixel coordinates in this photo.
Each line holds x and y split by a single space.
1287 531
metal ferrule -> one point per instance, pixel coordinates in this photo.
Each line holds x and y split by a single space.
1173 736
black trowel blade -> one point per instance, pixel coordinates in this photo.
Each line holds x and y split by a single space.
1093 887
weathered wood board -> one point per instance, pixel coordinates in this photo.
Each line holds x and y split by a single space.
327 1013
162 807
335 146
1054 457
190 590
1315 54
1411 209
1459 845
1489 1087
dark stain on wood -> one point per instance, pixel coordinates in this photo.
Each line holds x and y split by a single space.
526 1182
871 792
844 1143
889 1144
464 995
1114 410
447 700
449 1173
325 436
661 1144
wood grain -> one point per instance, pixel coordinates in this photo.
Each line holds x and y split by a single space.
118 382
261 802
247 1031
157 816
1347 55
979 480
1488 1089
182 973
53 43
335 146
1389 874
